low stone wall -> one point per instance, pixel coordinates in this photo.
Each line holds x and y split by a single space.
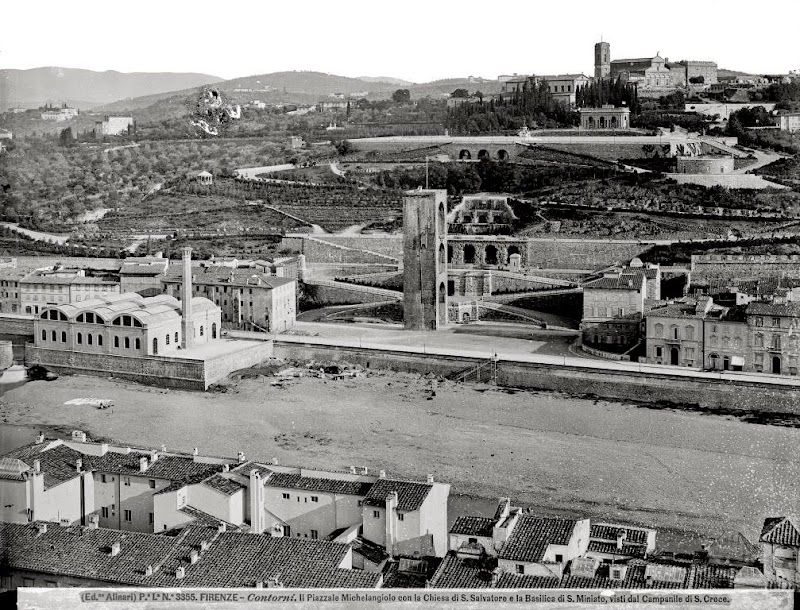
607 355
12 324
611 384
321 296
580 254
162 371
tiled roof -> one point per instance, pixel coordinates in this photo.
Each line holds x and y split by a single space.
473 526
244 277
58 464
232 559
320 484
12 468
393 578
706 576
170 467
626 281
610 548
410 494
245 468
456 573
507 580
223 485
531 536
773 309
610 531
201 517
780 530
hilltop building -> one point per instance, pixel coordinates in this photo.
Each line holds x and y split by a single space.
788 121
563 86
652 72
114 126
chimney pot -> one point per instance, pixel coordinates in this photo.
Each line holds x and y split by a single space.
222 528
78 464
382 474
204 545
193 556
41 528
240 457
364 470
180 572
37 466
40 438
143 464
259 584
274 461
195 451
164 448
352 470
225 468
148 571
116 547
94 522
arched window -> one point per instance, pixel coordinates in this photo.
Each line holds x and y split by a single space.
166 339
442 220
53 335
99 339
176 338
44 335
63 336
80 338
469 254
88 338
138 343
127 342
201 331
491 255
214 330
442 255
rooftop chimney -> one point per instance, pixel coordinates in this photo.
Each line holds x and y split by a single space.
153 456
195 451
275 461
78 464
193 556
94 522
143 464
364 470
164 448
41 528
221 528
225 468
37 466
382 474
148 571
40 438
115 548
240 457
430 478
187 324
180 572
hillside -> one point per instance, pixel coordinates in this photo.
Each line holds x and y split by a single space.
313 83
86 88
386 79
725 73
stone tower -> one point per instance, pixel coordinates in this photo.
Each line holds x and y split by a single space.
425 259
602 60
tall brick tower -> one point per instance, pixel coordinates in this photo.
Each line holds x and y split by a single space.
425 259
602 60
187 321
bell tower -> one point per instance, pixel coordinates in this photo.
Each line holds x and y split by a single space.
602 60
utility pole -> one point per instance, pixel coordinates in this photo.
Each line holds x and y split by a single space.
426 172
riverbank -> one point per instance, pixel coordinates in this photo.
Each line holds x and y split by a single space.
671 469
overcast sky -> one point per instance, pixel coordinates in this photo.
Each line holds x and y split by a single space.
417 40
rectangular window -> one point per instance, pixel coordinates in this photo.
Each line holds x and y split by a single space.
400 516
659 352
559 558
776 321
28 582
315 498
104 512
127 481
151 518
285 496
102 478
520 568
128 516
152 483
376 514
314 534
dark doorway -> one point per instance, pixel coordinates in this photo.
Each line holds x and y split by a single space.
469 254
155 347
465 154
674 356
491 255
726 363
776 365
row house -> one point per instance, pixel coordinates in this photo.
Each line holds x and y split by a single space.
757 337
43 288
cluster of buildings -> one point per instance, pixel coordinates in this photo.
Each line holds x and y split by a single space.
83 513
251 295
57 114
735 313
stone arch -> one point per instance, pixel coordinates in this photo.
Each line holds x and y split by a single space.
602 122
613 122
714 361
484 154
469 254
442 255
442 220
502 154
591 122
464 154
483 219
513 250
490 254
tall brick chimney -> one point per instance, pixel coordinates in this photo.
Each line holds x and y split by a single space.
187 323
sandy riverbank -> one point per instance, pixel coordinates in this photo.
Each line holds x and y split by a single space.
562 454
